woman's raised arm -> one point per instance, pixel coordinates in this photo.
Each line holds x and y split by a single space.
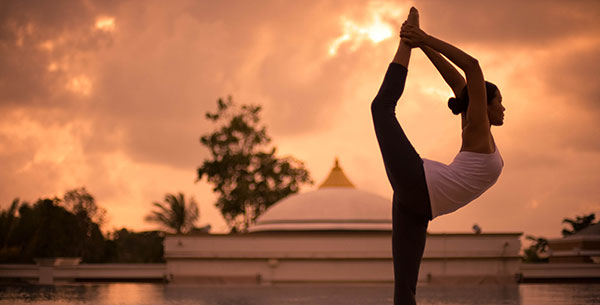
452 77
477 117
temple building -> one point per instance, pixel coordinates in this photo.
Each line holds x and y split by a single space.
336 233
574 258
336 206
582 247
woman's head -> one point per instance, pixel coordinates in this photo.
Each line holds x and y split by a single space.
494 100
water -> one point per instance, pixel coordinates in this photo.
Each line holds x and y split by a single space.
310 294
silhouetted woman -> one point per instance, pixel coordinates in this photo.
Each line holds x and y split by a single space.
424 189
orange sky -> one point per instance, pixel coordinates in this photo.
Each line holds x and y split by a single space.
111 95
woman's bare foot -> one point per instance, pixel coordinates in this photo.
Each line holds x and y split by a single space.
413 17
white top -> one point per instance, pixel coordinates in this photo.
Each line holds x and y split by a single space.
468 176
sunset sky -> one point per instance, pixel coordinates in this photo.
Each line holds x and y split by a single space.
111 95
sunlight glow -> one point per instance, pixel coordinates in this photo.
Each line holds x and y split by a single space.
436 92
52 67
80 84
381 20
106 24
47 45
56 143
379 31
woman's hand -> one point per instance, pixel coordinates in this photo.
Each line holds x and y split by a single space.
404 40
413 36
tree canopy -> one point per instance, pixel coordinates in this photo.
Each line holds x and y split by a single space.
243 168
49 229
175 214
70 227
578 224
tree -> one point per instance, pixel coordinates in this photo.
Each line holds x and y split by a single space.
135 247
8 222
537 250
46 229
80 201
53 227
174 214
89 219
578 224
245 173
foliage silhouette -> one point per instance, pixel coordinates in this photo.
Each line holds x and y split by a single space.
80 201
175 214
47 229
7 222
70 227
246 174
135 247
537 252
578 224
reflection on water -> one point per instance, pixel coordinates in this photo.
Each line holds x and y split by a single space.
158 294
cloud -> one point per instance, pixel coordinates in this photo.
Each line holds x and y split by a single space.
514 23
560 98
43 45
572 76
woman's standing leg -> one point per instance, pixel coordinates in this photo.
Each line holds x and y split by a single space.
408 243
411 209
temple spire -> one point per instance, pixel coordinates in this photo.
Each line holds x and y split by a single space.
337 178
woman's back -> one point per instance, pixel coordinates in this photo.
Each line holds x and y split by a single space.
468 176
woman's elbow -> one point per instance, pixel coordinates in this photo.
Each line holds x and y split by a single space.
472 65
375 105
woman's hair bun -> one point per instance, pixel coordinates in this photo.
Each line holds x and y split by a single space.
457 105
460 104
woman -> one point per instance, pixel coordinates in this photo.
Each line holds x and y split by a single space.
424 189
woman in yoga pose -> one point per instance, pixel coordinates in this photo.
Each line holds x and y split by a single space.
424 189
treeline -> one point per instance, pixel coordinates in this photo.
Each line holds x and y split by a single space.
243 167
70 227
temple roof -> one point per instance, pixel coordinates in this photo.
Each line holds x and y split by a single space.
337 178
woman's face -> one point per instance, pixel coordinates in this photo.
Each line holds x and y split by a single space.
496 110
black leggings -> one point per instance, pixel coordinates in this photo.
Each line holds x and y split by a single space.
411 208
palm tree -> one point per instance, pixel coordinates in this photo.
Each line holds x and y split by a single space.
537 251
7 223
578 224
174 213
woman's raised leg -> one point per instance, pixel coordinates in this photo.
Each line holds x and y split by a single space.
411 209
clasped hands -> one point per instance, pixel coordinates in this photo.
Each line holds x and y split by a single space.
412 35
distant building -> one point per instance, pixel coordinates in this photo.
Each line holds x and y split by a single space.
581 247
336 233
575 258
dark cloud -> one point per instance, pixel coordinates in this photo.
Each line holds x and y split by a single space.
164 66
288 46
520 23
569 79
24 27
574 75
